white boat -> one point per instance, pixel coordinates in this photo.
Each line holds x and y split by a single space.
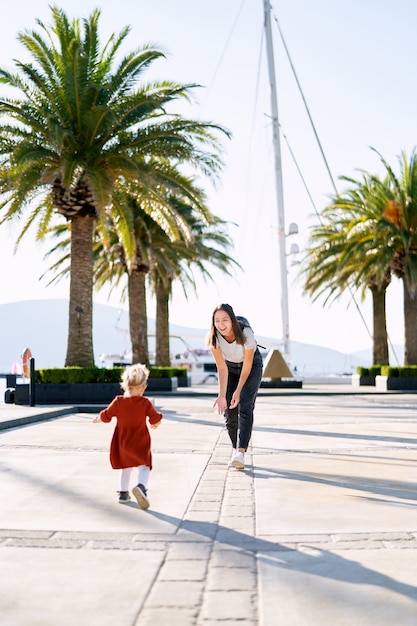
198 361
200 365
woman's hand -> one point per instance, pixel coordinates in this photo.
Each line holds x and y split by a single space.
221 404
235 400
97 419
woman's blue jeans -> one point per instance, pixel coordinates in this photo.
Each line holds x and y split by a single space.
239 421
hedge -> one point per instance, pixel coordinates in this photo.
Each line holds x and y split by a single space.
67 375
406 371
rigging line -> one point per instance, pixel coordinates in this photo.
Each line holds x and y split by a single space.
300 173
306 105
321 151
222 54
393 350
352 295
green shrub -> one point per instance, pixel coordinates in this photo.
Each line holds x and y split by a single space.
180 371
387 370
70 375
160 372
374 370
406 371
167 372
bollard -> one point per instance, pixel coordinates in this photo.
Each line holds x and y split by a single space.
32 394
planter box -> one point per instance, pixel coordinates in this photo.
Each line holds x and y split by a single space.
392 383
363 381
184 381
84 393
21 394
162 384
281 383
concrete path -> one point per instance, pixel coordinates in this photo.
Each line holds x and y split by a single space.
319 530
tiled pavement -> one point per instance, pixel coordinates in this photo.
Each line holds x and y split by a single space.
319 529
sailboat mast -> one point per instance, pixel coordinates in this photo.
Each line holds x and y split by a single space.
278 182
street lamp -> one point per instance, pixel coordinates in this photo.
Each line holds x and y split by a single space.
293 230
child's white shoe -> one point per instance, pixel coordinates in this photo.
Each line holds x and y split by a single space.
141 496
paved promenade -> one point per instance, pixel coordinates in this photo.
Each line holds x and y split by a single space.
319 530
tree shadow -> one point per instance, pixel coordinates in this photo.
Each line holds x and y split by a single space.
317 561
405 441
388 487
191 418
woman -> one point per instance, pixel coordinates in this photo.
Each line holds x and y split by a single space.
239 367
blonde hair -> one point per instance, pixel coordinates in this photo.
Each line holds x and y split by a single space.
135 376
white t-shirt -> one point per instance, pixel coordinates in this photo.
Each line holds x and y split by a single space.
235 352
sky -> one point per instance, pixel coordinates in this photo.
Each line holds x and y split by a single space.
355 68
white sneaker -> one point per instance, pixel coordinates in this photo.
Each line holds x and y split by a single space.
238 460
232 457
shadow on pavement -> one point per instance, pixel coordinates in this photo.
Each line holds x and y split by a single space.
385 487
318 562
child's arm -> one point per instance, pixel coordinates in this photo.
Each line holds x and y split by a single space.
154 416
107 414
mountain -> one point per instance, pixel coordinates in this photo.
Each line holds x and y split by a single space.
42 326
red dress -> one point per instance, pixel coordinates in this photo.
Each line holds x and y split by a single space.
131 442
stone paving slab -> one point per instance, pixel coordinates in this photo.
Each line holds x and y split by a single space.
46 586
319 529
46 477
312 586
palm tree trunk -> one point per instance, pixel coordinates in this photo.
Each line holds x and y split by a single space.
162 356
380 335
80 322
410 327
138 318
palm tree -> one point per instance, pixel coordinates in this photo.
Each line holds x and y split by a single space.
147 226
164 243
380 233
179 260
145 237
344 255
397 231
80 125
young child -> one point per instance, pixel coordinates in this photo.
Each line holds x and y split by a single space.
131 442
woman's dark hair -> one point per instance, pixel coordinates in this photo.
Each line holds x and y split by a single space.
238 332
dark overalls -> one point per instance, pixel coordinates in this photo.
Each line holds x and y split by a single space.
240 419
